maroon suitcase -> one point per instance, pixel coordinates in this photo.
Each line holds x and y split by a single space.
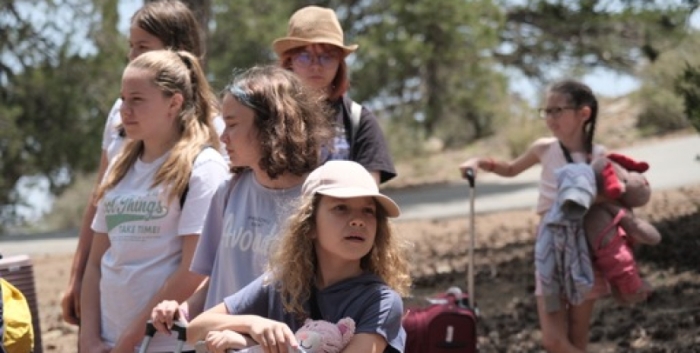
448 323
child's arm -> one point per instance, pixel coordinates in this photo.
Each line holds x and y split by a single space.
90 333
507 168
222 341
70 303
264 331
179 286
366 343
166 312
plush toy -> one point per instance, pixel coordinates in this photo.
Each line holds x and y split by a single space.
612 228
318 336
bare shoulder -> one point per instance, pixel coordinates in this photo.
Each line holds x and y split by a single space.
541 145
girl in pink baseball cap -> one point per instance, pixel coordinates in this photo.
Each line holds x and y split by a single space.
338 257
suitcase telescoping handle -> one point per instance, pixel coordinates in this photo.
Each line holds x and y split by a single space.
471 178
178 327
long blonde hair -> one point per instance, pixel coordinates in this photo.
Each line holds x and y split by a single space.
293 262
174 73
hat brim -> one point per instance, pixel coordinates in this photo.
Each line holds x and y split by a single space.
282 45
391 208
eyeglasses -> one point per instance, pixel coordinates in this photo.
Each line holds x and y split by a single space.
306 59
554 112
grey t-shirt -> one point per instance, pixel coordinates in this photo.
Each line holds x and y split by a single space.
243 220
375 307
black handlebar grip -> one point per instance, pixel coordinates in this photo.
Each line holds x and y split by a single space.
181 330
150 329
469 175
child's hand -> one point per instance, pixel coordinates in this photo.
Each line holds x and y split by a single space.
165 313
220 341
472 163
272 335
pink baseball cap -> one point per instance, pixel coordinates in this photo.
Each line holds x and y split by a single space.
347 179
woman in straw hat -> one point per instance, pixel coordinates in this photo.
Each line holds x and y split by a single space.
314 49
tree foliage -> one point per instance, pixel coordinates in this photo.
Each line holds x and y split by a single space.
428 68
542 34
688 86
53 97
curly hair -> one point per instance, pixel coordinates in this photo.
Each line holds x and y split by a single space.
340 83
293 262
174 73
291 121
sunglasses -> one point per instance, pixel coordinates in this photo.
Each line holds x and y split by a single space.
306 59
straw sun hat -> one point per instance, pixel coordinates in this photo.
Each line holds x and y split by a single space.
313 25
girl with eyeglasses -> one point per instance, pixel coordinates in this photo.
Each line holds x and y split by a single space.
274 132
570 114
314 50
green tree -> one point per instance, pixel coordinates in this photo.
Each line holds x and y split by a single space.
542 34
241 35
688 86
54 93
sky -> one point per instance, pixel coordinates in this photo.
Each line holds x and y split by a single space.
602 82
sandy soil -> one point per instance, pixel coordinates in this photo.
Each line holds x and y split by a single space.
668 322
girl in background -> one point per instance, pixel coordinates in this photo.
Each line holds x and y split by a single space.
144 237
313 49
570 113
157 25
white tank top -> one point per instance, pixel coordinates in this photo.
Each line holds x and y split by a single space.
553 158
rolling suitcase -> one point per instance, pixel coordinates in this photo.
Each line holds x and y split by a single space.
448 323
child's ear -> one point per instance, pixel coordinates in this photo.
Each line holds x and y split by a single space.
585 112
176 103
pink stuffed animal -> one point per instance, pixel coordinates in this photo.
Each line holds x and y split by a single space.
318 336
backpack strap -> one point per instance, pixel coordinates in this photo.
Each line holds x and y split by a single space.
355 114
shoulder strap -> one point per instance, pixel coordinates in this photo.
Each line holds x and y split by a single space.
355 114
567 155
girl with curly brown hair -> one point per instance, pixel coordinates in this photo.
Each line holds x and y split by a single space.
337 258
